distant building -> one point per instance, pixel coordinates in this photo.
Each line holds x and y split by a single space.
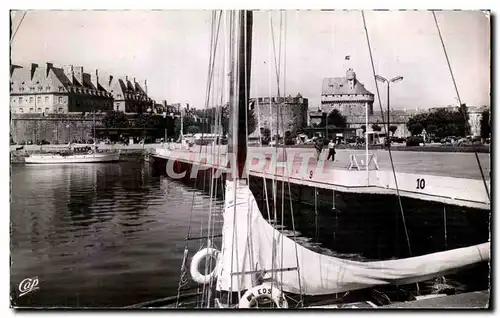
350 97
129 96
475 117
49 89
292 116
346 94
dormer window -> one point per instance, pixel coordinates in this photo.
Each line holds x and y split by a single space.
47 88
61 89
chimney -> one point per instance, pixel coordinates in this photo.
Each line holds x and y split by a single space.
78 74
33 68
49 67
126 78
110 80
95 79
68 71
134 80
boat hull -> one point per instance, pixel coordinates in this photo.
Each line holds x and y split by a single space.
83 158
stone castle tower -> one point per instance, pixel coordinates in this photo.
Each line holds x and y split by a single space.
346 94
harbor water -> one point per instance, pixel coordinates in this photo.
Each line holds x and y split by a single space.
112 235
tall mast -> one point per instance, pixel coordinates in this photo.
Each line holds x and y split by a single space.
239 92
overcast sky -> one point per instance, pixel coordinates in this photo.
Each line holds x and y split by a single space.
171 50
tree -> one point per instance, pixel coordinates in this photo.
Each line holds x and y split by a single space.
334 118
416 128
115 119
393 129
376 127
440 123
485 124
337 119
265 133
144 120
465 117
251 120
193 129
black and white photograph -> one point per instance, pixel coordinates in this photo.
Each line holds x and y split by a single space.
246 158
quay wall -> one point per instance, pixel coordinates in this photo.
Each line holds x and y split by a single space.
54 128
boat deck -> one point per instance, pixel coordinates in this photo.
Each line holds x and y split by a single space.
478 299
300 167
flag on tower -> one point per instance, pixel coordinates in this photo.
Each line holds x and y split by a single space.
347 57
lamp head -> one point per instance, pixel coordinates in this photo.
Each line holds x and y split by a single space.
380 78
397 79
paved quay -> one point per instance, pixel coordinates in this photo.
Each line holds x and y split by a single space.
449 178
450 164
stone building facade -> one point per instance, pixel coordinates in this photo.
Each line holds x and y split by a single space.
292 116
351 98
48 89
346 94
130 96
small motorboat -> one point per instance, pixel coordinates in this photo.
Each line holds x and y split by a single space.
75 154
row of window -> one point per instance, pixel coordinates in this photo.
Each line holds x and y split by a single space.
38 110
31 100
40 89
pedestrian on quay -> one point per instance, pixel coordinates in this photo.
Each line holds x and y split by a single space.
319 146
331 150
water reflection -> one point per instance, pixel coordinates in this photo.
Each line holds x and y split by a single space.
99 234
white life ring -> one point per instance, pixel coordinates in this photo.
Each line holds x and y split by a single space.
89 152
261 292
196 261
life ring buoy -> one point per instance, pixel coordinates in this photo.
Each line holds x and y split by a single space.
89 152
196 261
262 292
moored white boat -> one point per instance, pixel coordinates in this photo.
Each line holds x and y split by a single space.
76 158
78 154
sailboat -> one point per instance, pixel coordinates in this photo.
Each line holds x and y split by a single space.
257 265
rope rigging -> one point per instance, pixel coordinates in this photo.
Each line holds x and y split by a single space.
17 28
387 133
285 158
459 99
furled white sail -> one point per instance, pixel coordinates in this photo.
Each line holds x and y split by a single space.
248 246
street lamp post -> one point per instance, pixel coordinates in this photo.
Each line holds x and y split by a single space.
392 80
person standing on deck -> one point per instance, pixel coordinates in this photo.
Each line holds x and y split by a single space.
331 150
319 147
